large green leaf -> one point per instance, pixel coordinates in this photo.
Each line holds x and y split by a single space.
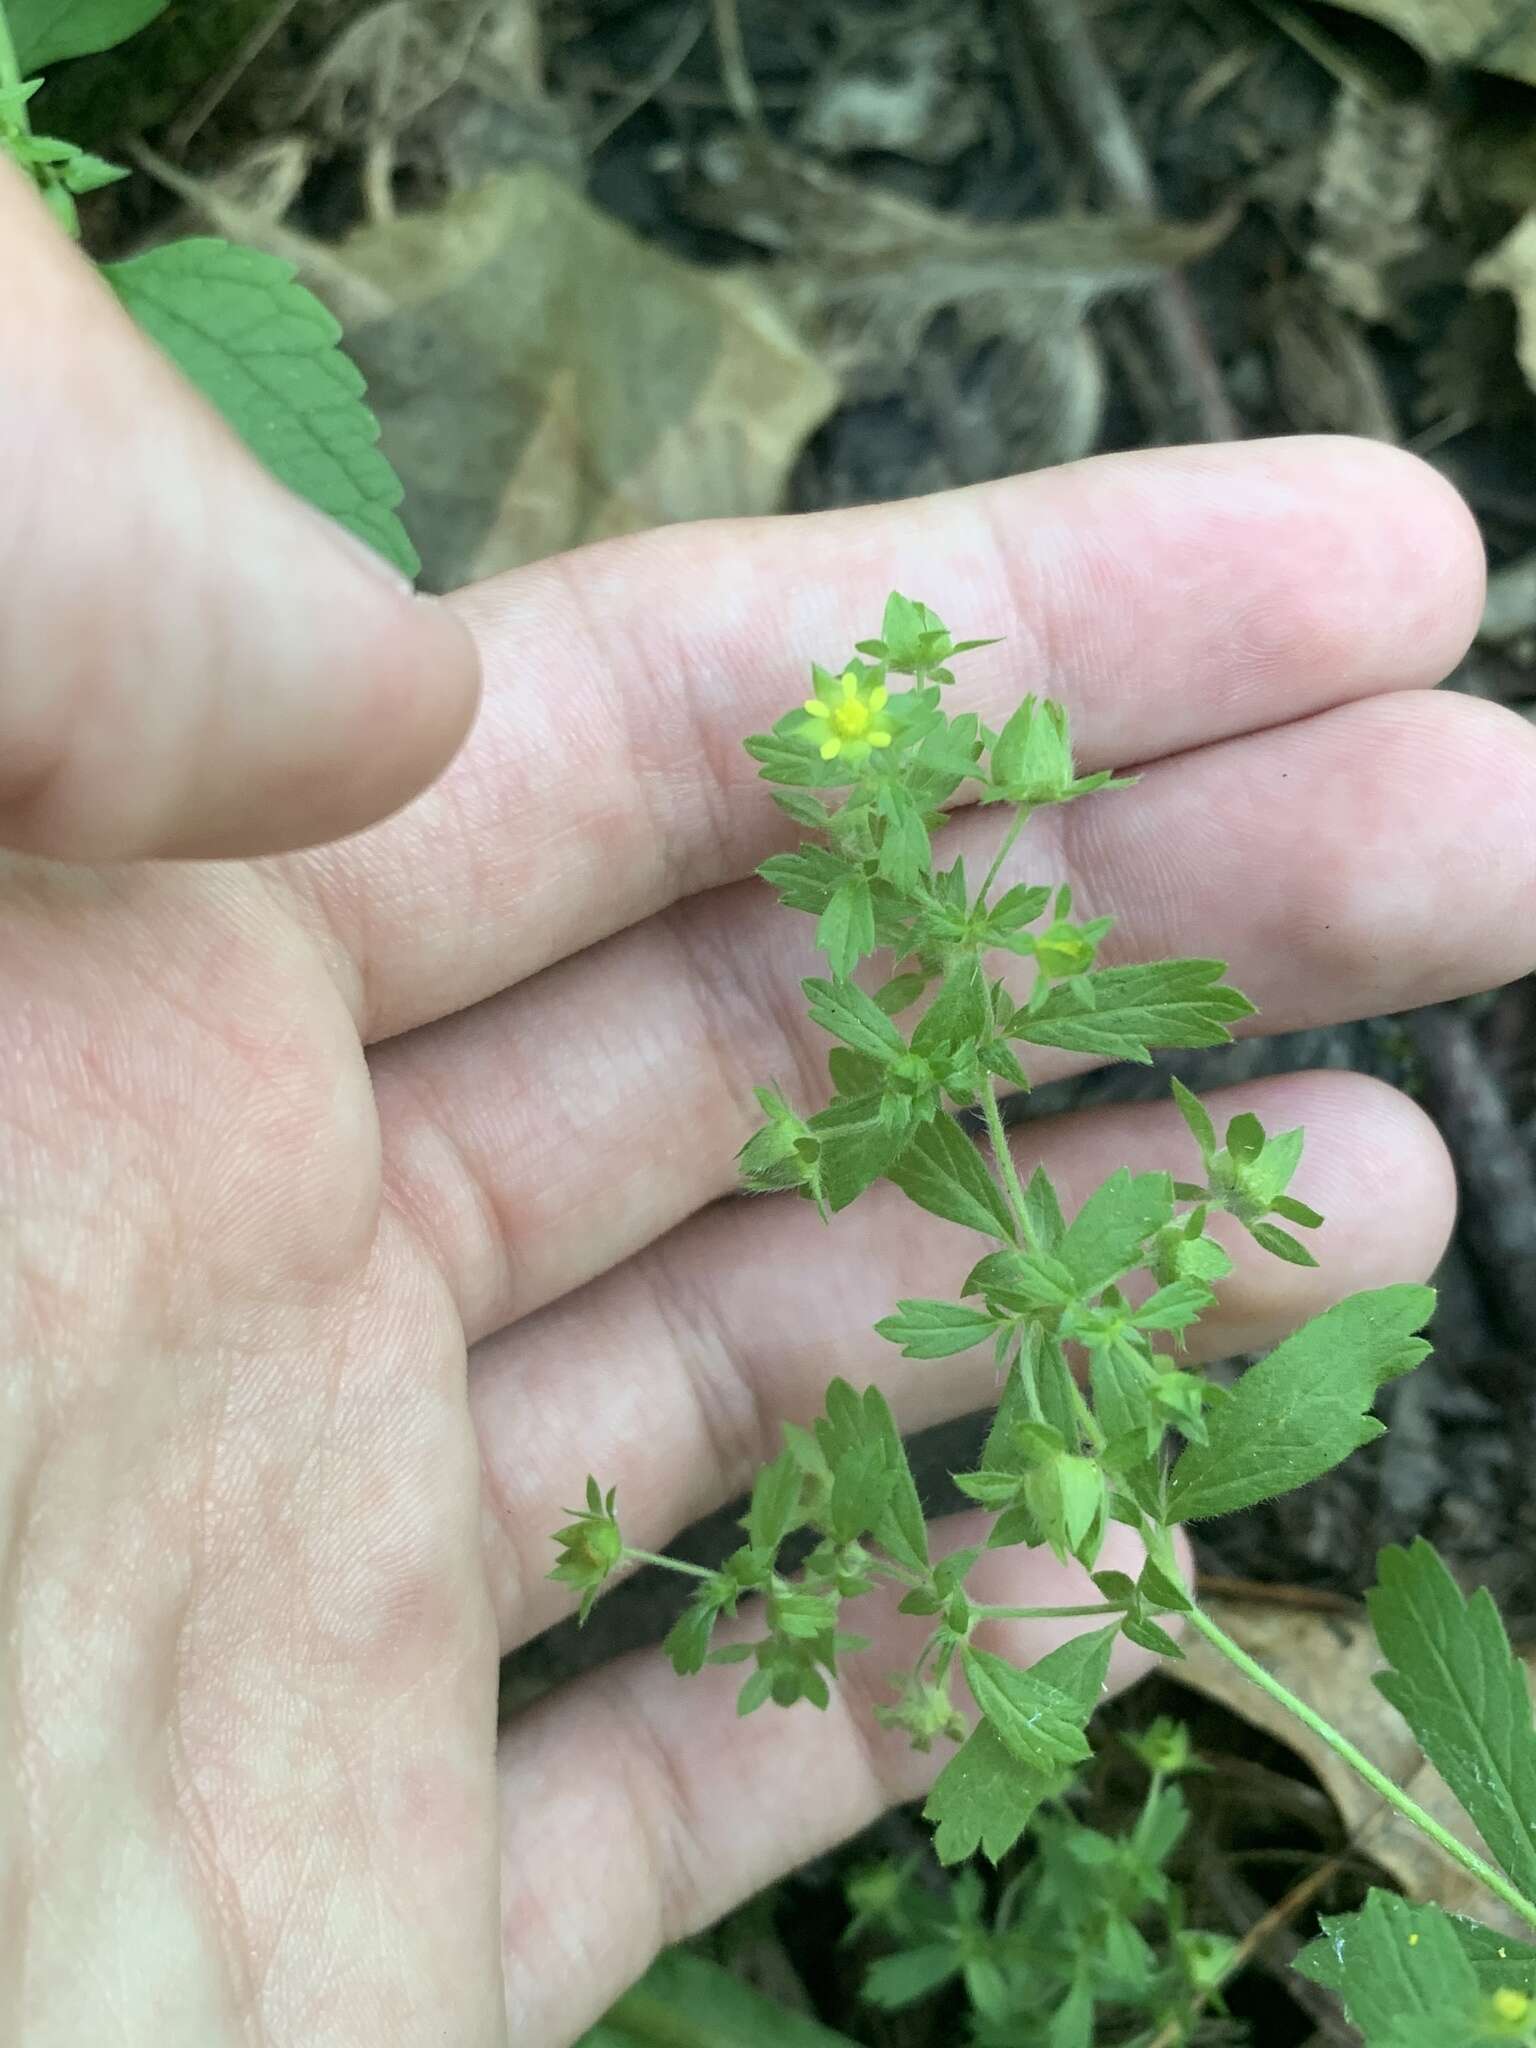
1304 1408
265 352
1462 1690
45 31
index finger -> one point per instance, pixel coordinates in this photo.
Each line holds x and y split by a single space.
1170 599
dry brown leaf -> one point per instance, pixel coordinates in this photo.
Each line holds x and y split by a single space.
1373 179
1483 35
543 378
1327 1659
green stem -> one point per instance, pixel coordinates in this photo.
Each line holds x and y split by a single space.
1012 1186
1143 1819
1003 851
1361 1764
1039 1613
668 1564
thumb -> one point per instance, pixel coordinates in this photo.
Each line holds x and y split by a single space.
192 662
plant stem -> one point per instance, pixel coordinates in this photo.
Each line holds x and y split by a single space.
1039 1613
1012 1186
1361 1764
669 1564
1000 856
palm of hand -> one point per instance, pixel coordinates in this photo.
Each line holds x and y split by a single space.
254 1598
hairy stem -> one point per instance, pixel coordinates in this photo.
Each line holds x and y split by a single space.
1361 1764
669 1564
1040 1613
1003 851
1012 1186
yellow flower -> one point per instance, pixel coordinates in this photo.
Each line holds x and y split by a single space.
1510 2005
849 718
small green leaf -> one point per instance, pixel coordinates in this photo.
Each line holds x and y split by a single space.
1304 1408
936 1329
984 1798
1195 1114
1108 1235
902 1979
1281 1245
1462 1690
264 351
845 931
775 1503
1129 1010
942 1171
1038 1722
905 853
48 31
843 1009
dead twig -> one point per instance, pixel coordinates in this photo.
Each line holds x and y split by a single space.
1055 62
1260 1932
219 87
642 91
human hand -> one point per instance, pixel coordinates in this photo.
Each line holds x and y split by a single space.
280 1138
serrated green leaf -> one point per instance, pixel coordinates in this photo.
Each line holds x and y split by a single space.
48 31
855 1147
984 1797
843 1009
1305 1407
264 352
936 1329
845 931
808 878
1130 1010
1395 1962
942 1171
958 1014
1108 1234
1462 1690
905 853
1280 1244
1039 1723
775 1503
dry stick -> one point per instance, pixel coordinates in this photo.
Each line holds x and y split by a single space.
1493 1163
1051 42
222 84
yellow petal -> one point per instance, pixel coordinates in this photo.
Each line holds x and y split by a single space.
817 709
879 739
831 748
877 697
850 683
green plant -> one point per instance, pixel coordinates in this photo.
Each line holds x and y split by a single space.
1087 1942
253 340
867 765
